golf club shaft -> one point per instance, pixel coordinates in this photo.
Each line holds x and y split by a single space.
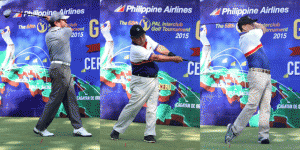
188 60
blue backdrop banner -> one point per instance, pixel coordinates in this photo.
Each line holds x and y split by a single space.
173 24
224 92
25 87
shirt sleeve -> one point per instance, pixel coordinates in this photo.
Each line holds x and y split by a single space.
258 33
139 54
67 31
151 42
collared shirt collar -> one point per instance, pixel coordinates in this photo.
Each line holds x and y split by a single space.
136 44
242 33
54 29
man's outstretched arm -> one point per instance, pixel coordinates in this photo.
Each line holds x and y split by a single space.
163 58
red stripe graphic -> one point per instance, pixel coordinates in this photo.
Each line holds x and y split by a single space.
196 51
93 48
145 45
254 50
296 51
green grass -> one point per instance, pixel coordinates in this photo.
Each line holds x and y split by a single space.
167 137
16 133
212 138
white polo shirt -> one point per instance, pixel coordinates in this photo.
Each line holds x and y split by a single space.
139 58
253 49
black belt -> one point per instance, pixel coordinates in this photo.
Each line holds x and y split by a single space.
148 76
261 70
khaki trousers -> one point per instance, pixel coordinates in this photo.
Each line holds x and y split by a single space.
260 91
143 90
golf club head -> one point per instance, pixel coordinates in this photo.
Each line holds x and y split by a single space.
7 13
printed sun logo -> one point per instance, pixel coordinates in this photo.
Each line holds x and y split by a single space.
145 23
42 27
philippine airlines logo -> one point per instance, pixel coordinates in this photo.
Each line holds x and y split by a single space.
17 15
120 9
216 12
145 23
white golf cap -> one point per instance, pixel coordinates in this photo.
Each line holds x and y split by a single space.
57 16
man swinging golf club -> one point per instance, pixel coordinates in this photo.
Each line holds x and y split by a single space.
62 90
10 49
259 78
144 82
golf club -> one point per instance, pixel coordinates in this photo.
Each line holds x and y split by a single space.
8 12
188 60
